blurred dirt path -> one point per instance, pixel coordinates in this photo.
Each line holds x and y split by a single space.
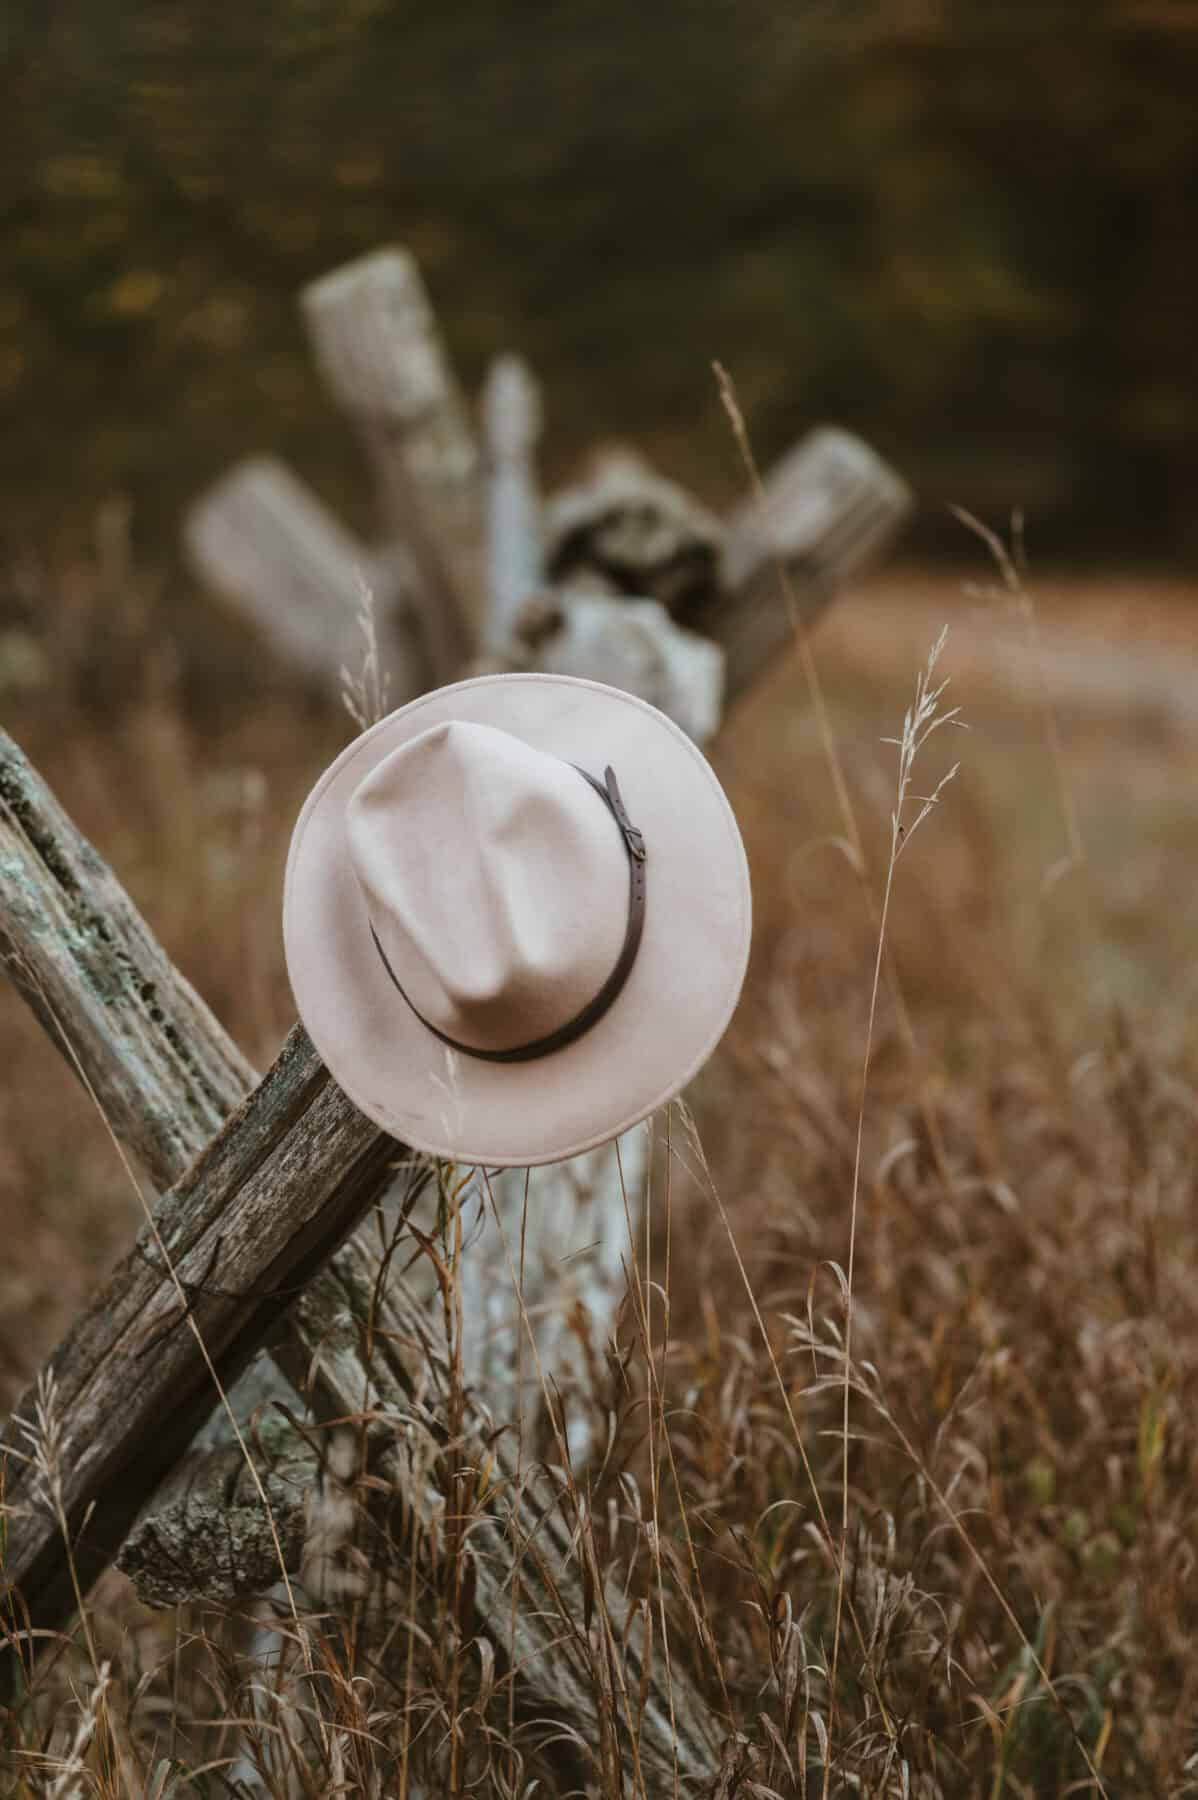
1118 651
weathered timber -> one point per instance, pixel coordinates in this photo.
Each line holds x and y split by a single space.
275 1193
264 541
831 506
162 1070
377 346
208 1536
511 419
573 1241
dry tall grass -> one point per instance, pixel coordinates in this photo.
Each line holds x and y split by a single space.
986 1586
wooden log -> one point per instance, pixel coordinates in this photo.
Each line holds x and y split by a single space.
831 506
511 410
576 1248
161 1069
377 346
266 543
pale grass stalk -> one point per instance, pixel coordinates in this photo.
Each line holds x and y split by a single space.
923 719
74 1769
67 1776
1011 566
829 1537
517 1548
802 636
657 1396
858 862
459 1534
409 1667
46 1439
853 840
954 1519
366 695
654 1449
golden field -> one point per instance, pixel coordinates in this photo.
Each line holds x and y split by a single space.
1015 1546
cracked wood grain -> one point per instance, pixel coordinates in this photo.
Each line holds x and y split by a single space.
263 1207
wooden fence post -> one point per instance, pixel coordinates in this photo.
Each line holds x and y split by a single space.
266 543
832 505
377 346
511 412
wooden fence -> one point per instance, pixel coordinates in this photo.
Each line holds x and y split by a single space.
257 1270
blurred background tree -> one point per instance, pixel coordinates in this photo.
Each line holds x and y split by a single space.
963 228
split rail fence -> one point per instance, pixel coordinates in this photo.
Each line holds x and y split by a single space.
267 1264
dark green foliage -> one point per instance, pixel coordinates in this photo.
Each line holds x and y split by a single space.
959 227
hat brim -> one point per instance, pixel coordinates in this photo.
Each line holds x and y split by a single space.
672 1011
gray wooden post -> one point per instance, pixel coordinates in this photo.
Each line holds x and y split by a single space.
261 539
511 414
376 343
831 507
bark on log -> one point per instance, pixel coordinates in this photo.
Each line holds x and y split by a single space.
262 540
575 1249
360 1348
376 343
511 409
207 1535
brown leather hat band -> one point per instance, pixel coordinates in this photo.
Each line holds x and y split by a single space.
594 1010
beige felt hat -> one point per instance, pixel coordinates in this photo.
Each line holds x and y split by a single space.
516 917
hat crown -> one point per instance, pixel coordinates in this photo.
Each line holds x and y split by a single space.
495 880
